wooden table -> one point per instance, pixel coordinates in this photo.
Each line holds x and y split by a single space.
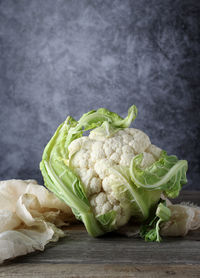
79 255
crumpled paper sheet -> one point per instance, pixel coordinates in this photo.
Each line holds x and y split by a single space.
184 217
30 217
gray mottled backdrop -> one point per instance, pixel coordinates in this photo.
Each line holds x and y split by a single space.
68 57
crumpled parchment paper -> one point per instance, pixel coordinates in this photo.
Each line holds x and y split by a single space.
184 217
30 217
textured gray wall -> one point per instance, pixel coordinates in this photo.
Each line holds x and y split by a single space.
67 57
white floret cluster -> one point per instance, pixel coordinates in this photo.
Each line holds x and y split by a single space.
91 158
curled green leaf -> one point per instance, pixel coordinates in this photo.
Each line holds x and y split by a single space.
167 174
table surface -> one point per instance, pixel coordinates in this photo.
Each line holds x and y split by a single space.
113 255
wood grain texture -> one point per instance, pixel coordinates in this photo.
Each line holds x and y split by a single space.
99 271
113 255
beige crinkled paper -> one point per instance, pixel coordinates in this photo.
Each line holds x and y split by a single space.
30 217
184 217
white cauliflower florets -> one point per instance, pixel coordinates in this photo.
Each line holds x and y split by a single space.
92 157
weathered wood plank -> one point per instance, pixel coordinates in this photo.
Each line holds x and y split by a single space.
99 271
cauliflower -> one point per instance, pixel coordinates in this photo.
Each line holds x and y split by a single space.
111 175
92 158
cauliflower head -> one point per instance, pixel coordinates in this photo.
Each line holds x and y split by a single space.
111 175
92 158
